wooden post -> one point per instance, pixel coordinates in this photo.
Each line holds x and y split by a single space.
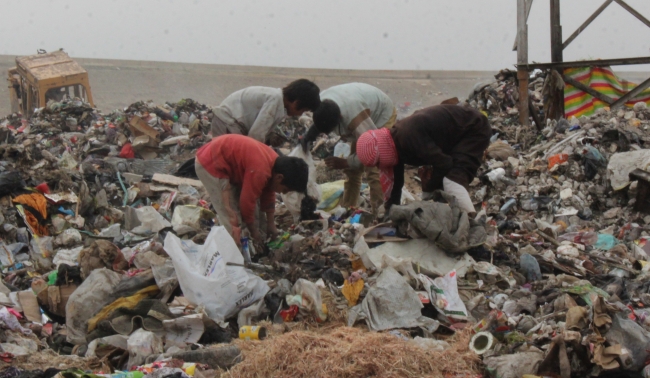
556 32
522 61
529 5
556 107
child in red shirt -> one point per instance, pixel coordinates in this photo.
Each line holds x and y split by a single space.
238 171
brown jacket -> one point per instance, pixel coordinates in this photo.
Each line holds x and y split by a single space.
449 138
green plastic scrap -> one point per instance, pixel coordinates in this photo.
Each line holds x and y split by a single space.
279 242
515 337
586 291
52 277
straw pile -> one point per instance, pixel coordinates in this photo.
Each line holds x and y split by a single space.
352 352
48 358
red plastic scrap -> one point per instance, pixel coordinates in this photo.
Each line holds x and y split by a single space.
127 152
43 188
6 357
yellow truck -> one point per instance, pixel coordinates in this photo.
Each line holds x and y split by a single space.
37 79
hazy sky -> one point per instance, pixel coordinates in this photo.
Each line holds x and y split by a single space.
353 34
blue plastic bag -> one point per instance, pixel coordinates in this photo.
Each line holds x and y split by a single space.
605 242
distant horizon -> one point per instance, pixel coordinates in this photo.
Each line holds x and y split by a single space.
393 35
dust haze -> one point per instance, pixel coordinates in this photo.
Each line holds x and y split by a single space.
363 34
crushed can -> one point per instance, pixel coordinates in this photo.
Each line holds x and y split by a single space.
289 314
252 333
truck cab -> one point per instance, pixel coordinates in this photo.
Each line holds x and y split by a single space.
37 79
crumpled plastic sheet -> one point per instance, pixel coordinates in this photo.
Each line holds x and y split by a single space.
632 337
141 344
93 294
514 365
621 164
444 223
12 322
391 303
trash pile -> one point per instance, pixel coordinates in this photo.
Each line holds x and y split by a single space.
113 261
560 285
114 264
502 96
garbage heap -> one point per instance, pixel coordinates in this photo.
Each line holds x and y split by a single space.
562 274
502 96
113 262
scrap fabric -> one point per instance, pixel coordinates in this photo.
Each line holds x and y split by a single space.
578 103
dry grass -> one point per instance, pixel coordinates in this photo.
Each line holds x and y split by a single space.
50 359
352 352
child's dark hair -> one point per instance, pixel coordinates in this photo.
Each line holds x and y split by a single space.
295 172
327 116
305 92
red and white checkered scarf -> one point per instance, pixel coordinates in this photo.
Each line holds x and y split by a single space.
376 148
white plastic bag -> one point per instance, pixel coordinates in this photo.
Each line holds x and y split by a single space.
342 150
443 292
621 164
292 200
142 344
190 216
206 279
150 221
90 297
118 341
310 301
67 256
12 322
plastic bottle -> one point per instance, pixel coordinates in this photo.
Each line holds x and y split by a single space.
535 203
530 267
585 213
245 248
499 175
508 181
592 153
174 115
584 237
529 204
508 205
494 318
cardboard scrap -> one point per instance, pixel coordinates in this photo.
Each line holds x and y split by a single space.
605 357
600 309
377 234
143 141
139 127
576 318
56 298
425 255
57 198
173 180
174 140
29 303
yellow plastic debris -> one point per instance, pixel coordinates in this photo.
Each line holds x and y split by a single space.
351 291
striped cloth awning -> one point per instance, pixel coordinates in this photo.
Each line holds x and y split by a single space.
578 103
